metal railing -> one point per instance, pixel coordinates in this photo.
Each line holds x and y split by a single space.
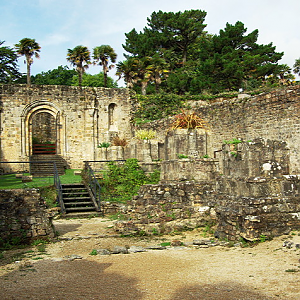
92 183
58 187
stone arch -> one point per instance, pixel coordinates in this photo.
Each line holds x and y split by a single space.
30 114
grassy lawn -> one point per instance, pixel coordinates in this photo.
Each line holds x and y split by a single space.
11 182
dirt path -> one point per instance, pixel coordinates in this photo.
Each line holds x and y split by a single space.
66 270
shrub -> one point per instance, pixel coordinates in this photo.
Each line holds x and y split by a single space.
188 121
122 181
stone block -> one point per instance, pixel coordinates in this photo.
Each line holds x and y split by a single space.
26 178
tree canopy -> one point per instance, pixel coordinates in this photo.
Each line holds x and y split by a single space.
192 59
8 64
59 76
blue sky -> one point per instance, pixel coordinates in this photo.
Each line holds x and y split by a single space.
58 25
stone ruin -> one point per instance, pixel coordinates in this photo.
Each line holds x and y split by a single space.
248 189
248 195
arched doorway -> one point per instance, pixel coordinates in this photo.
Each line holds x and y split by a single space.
41 126
43 132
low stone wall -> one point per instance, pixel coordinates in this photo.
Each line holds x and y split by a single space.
188 169
169 207
23 216
245 208
253 207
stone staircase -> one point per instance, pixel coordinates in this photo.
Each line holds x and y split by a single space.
44 168
77 200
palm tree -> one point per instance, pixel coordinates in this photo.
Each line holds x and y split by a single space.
79 57
159 69
28 48
102 55
296 66
128 70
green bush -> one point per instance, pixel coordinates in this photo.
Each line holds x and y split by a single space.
122 181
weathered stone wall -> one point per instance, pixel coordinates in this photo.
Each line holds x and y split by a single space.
23 216
84 118
253 197
168 207
273 116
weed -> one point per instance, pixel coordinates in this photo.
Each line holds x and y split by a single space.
37 258
117 216
262 238
291 270
94 252
181 156
1 255
154 231
165 244
233 142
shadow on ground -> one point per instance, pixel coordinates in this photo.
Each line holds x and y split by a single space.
222 291
78 279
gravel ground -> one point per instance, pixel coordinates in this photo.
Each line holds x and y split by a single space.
66 270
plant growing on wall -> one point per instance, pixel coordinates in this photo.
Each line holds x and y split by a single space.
145 134
186 120
117 141
104 145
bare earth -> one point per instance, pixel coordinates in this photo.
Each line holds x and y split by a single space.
66 270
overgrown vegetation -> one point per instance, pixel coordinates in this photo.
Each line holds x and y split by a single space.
121 181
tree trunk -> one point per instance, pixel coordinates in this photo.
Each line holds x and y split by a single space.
28 71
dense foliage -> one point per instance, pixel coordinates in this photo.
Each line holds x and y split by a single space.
8 64
122 181
187 59
60 76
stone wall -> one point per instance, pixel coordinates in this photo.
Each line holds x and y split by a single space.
165 208
23 217
84 118
273 116
253 197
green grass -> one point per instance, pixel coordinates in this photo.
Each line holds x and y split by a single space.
11 182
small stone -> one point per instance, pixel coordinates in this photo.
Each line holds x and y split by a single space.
156 248
297 246
135 249
73 257
201 242
103 252
119 250
176 243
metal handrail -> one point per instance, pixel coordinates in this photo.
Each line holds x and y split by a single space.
93 184
58 187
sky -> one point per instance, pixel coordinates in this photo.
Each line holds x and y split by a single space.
59 25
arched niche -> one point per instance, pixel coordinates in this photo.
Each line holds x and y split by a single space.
112 117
